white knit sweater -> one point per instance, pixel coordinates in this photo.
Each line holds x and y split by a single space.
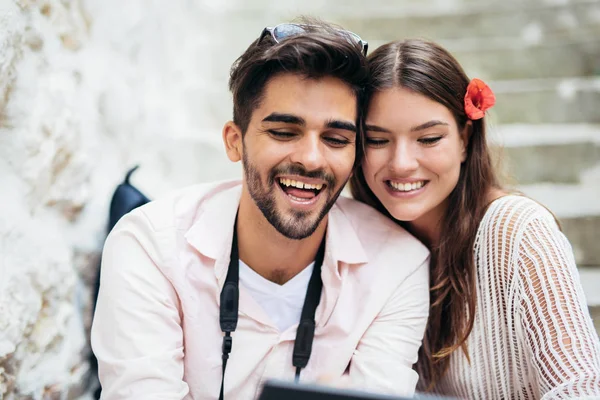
533 337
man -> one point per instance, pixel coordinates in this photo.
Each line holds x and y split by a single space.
219 275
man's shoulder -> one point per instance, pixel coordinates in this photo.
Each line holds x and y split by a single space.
179 208
379 234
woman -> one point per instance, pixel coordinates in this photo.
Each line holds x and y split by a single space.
508 316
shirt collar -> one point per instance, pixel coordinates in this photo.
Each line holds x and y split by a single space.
342 242
212 232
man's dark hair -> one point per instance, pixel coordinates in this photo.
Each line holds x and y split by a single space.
322 51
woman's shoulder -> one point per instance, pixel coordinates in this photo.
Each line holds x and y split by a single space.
512 222
513 213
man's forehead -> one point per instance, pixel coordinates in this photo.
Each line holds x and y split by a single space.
296 99
292 83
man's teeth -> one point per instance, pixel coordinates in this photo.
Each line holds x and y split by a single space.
407 187
300 185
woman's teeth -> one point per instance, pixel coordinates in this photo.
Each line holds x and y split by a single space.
300 185
406 187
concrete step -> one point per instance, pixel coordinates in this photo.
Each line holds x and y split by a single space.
590 280
503 58
578 209
595 313
547 101
329 9
501 41
500 57
546 152
583 233
514 59
529 22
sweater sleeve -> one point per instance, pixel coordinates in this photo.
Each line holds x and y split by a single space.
556 323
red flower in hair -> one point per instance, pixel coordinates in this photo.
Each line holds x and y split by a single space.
479 97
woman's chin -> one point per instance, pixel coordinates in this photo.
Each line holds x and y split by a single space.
403 214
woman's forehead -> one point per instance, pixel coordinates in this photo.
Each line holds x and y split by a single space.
405 108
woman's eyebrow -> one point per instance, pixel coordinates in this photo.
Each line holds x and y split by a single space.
429 124
375 128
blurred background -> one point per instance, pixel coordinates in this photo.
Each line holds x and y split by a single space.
89 88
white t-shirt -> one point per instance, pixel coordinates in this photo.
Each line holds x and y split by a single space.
282 303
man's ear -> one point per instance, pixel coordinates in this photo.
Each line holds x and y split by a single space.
232 138
465 136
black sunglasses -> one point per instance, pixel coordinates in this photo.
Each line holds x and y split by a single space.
283 31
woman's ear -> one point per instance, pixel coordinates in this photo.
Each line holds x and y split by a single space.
232 138
465 136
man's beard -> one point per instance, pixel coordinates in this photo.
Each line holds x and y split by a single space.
298 225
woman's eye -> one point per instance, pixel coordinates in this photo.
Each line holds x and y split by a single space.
430 140
282 135
375 142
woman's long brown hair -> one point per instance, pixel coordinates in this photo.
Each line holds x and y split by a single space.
426 68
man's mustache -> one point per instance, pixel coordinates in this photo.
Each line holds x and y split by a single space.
299 170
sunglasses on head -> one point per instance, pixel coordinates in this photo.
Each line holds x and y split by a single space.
283 31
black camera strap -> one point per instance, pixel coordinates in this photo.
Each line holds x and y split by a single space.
228 316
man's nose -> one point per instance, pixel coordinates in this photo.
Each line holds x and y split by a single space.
309 153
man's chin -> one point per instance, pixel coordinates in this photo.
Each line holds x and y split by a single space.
297 225
300 221
298 234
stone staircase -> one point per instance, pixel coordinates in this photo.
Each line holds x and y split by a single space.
542 59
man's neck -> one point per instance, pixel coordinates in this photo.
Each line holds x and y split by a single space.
269 253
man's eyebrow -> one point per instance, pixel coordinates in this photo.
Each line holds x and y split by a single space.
375 128
338 124
285 118
429 124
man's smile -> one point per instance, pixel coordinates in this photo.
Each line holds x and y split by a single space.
300 190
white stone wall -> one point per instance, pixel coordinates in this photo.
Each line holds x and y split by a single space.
88 89
45 176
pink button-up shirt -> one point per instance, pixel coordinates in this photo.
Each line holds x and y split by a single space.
156 329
